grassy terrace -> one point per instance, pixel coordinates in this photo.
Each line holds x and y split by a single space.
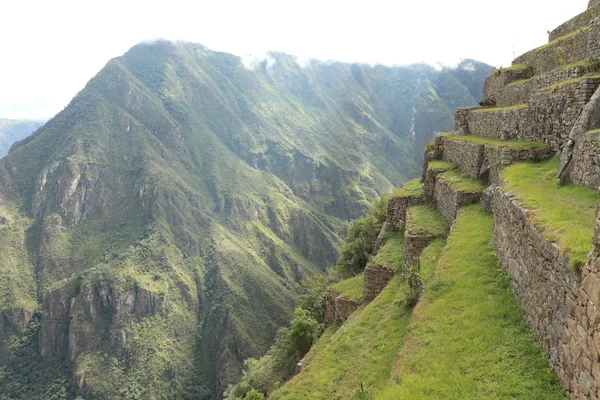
565 213
468 339
441 164
516 144
560 39
351 288
425 220
570 81
411 188
392 253
364 350
516 67
489 109
461 182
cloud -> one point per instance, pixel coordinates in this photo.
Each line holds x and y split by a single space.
254 62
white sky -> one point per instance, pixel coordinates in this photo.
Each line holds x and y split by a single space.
51 48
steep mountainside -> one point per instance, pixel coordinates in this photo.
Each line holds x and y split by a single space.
515 287
14 130
154 232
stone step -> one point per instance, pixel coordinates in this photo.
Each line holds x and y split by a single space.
424 223
483 158
496 122
412 193
454 189
434 168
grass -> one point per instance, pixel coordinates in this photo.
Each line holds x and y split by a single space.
468 339
487 109
516 144
515 67
461 182
570 81
392 253
411 188
565 213
441 164
362 351
560 39
351 288
425 220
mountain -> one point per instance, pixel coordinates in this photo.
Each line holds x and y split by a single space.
155 231
14 130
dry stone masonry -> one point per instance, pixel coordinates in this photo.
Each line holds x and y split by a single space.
337 307
376 279
550 95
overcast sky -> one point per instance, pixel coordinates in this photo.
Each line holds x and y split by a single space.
50 49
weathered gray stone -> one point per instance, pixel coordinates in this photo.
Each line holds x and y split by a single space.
376 278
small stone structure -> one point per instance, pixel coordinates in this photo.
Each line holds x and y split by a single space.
448 199
484 162
376 279
337 307
396 213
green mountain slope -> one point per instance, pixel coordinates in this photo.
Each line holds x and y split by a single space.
12 130
466 338
156 229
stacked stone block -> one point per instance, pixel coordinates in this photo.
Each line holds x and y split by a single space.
448 199
337 307
376 279
396 213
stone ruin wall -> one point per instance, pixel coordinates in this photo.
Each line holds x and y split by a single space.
577 22
376 279
396 213
561 305
468 157
585 163
337 307
448 199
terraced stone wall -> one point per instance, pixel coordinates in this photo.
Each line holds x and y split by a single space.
376 278
585 164
554 111
448 199
338 308
396 213
504 124
568 50
468 157
561 306
577 22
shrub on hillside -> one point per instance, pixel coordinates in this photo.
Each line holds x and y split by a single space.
312 296
279 364
361 238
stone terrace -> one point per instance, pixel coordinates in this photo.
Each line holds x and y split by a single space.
547 103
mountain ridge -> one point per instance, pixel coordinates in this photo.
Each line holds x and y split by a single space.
181 195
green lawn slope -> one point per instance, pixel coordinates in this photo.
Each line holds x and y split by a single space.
468 339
